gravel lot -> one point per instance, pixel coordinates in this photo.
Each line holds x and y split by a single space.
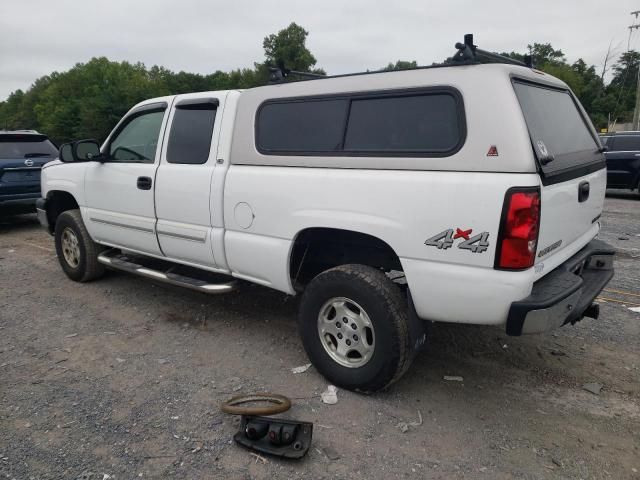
122 378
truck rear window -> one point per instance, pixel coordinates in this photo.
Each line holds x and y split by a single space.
559 132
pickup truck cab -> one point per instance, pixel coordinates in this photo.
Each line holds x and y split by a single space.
468 193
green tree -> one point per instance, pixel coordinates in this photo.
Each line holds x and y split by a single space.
89 99
288 48
401 65
623 86
544 54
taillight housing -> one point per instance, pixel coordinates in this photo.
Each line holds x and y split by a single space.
519 228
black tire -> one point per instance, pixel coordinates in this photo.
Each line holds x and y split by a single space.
87 267
386 307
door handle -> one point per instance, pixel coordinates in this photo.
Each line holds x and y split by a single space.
583 191
637 155
144 183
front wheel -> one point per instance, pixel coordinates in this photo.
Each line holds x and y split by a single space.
354 327
77 252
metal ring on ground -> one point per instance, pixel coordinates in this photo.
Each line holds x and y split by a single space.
280 404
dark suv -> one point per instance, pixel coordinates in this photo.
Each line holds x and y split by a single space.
22 155
623 159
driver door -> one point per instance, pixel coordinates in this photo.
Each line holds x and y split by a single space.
119 192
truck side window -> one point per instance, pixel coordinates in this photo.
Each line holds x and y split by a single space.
425 123
191 132
137 140
302 126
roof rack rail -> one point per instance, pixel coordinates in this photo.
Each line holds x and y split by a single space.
468 53
280 73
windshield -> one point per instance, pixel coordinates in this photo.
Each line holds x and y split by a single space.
16 146
558 130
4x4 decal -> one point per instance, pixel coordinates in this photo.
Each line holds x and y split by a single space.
477 244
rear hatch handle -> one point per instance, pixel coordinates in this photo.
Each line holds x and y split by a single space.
583 191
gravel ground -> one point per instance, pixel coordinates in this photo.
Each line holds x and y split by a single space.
121 379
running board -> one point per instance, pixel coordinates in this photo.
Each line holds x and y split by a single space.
118 261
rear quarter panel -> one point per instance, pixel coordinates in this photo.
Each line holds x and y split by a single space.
402 208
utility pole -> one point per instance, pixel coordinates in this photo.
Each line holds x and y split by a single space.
636 110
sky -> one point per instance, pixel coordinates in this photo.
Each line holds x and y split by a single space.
202 36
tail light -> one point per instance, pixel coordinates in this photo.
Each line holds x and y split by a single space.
519 227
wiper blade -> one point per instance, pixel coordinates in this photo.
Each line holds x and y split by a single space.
36 154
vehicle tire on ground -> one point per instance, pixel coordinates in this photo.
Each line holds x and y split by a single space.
353 322
77 252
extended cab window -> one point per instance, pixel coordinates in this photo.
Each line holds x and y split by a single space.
412 123
191 131
559 132
137 140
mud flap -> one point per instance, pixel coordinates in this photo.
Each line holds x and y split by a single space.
418 328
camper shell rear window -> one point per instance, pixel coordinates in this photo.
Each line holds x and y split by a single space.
560 133
427 122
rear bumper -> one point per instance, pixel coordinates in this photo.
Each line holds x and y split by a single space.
566 294
16 204
18 199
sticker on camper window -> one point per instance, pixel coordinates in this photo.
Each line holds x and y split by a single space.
475 244
542 148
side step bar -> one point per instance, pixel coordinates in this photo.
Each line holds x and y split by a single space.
118 261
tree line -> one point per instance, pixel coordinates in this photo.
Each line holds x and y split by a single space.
88 100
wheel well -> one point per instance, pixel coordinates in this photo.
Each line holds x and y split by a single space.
318 249
58 202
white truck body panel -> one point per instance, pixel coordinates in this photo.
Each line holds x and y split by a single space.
183 215
401 208
115 211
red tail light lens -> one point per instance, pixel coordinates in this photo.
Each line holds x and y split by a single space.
518 237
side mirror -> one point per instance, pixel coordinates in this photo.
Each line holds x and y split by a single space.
80 151
86 150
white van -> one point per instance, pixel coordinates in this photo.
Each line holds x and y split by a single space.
467 193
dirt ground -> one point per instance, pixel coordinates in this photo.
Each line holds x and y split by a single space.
121 379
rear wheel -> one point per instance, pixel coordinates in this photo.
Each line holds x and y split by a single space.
354 327
77 252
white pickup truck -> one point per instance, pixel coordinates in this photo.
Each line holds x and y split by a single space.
469 193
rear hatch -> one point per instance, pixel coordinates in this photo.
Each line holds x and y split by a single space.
572 169
22 156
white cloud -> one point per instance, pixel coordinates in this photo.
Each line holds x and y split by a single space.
39 36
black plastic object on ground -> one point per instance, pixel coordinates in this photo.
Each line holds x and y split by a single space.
275 436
